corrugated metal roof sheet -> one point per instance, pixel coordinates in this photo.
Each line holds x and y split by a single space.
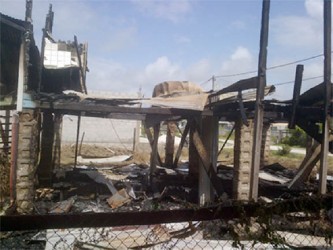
11 29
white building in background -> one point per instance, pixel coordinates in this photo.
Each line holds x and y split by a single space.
95 130
279 131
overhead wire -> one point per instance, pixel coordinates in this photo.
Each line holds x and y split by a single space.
204 82
305 79
273 67
269 68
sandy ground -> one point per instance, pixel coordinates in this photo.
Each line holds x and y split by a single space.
142 155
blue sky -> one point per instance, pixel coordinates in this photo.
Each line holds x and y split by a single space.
137 43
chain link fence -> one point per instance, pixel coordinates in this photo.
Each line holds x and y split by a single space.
288 224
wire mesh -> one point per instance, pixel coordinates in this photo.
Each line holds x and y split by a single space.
291 230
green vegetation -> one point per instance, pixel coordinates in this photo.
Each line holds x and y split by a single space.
297 138
284 150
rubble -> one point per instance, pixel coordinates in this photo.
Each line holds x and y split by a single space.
119 198
273 178
63 206
127 188
100 178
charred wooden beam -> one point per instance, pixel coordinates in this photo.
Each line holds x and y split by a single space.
151 142
328 96
306 166
154 151
209 136
82 73
193 156
170 143
296 93
222 212
240 85
206 162
104 108
259 110
181 144
226 140
241 108
28 11
45 166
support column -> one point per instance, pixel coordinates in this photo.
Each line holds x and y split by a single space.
242 160
170 143
57 141
209 134
193 155
154 152
265 144
27 157
259 106
45 166
328 110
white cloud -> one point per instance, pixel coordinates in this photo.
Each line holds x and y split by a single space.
240 61
314 8
199 71
172 10
160 70
301 32
106 75
109 75
300 36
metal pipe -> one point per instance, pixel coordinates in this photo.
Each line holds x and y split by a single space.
13 161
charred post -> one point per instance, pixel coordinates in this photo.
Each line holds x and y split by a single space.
259 109
328 96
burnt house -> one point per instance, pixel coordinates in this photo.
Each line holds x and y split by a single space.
32 85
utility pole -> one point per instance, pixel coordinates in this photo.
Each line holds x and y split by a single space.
213 82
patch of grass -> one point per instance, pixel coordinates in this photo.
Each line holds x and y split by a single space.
284 150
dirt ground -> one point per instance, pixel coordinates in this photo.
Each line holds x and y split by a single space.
89 151
142 155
